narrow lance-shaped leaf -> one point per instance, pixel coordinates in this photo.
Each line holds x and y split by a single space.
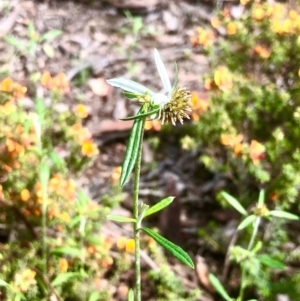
175 250
121 219
132 150
283 214
143 115
234 203
271 262
247 221
219 287
131 95
159 206
261 198
130 296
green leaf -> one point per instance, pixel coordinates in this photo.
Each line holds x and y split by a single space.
130 296
132 150
270 262
219 287
175 250
44 174
49 50
143 115
261 198
131 95
283 214
50 35
234 203
94 296
247 221
62 278
3 283
15 42
159 206
121 219
69 251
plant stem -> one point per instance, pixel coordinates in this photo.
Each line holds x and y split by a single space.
250 246
137 225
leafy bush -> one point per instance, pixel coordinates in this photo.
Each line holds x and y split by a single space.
249 127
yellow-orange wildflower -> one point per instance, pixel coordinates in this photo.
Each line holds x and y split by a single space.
89 148
116 174
25 195
107 262
81 111
121 243
204 37
154 125
262 51
256 151
244 2
231 28
223 78
293 15
233 141
63 265
17 90
199 105
130 246
287 26
215 22
58 83
25 280
258 13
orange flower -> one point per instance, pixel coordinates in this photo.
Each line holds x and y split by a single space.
223 78
81 111
154 125
262 51
231 28
46 80
89 149
204 37
258 13
58 83
107 262
257 152
234 142
199 105
8 85
25 195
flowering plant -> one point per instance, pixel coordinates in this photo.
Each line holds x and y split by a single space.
170 106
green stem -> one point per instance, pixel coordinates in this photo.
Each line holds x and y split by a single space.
137 225
250 246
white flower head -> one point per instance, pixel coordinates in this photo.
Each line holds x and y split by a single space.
173 103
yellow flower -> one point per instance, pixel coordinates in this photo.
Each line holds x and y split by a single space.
215 22
121 243
130 246
244 2
89 149
231 28
234 142
25 280
223 78
25 195
63 265
199 105
81 111
258 13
